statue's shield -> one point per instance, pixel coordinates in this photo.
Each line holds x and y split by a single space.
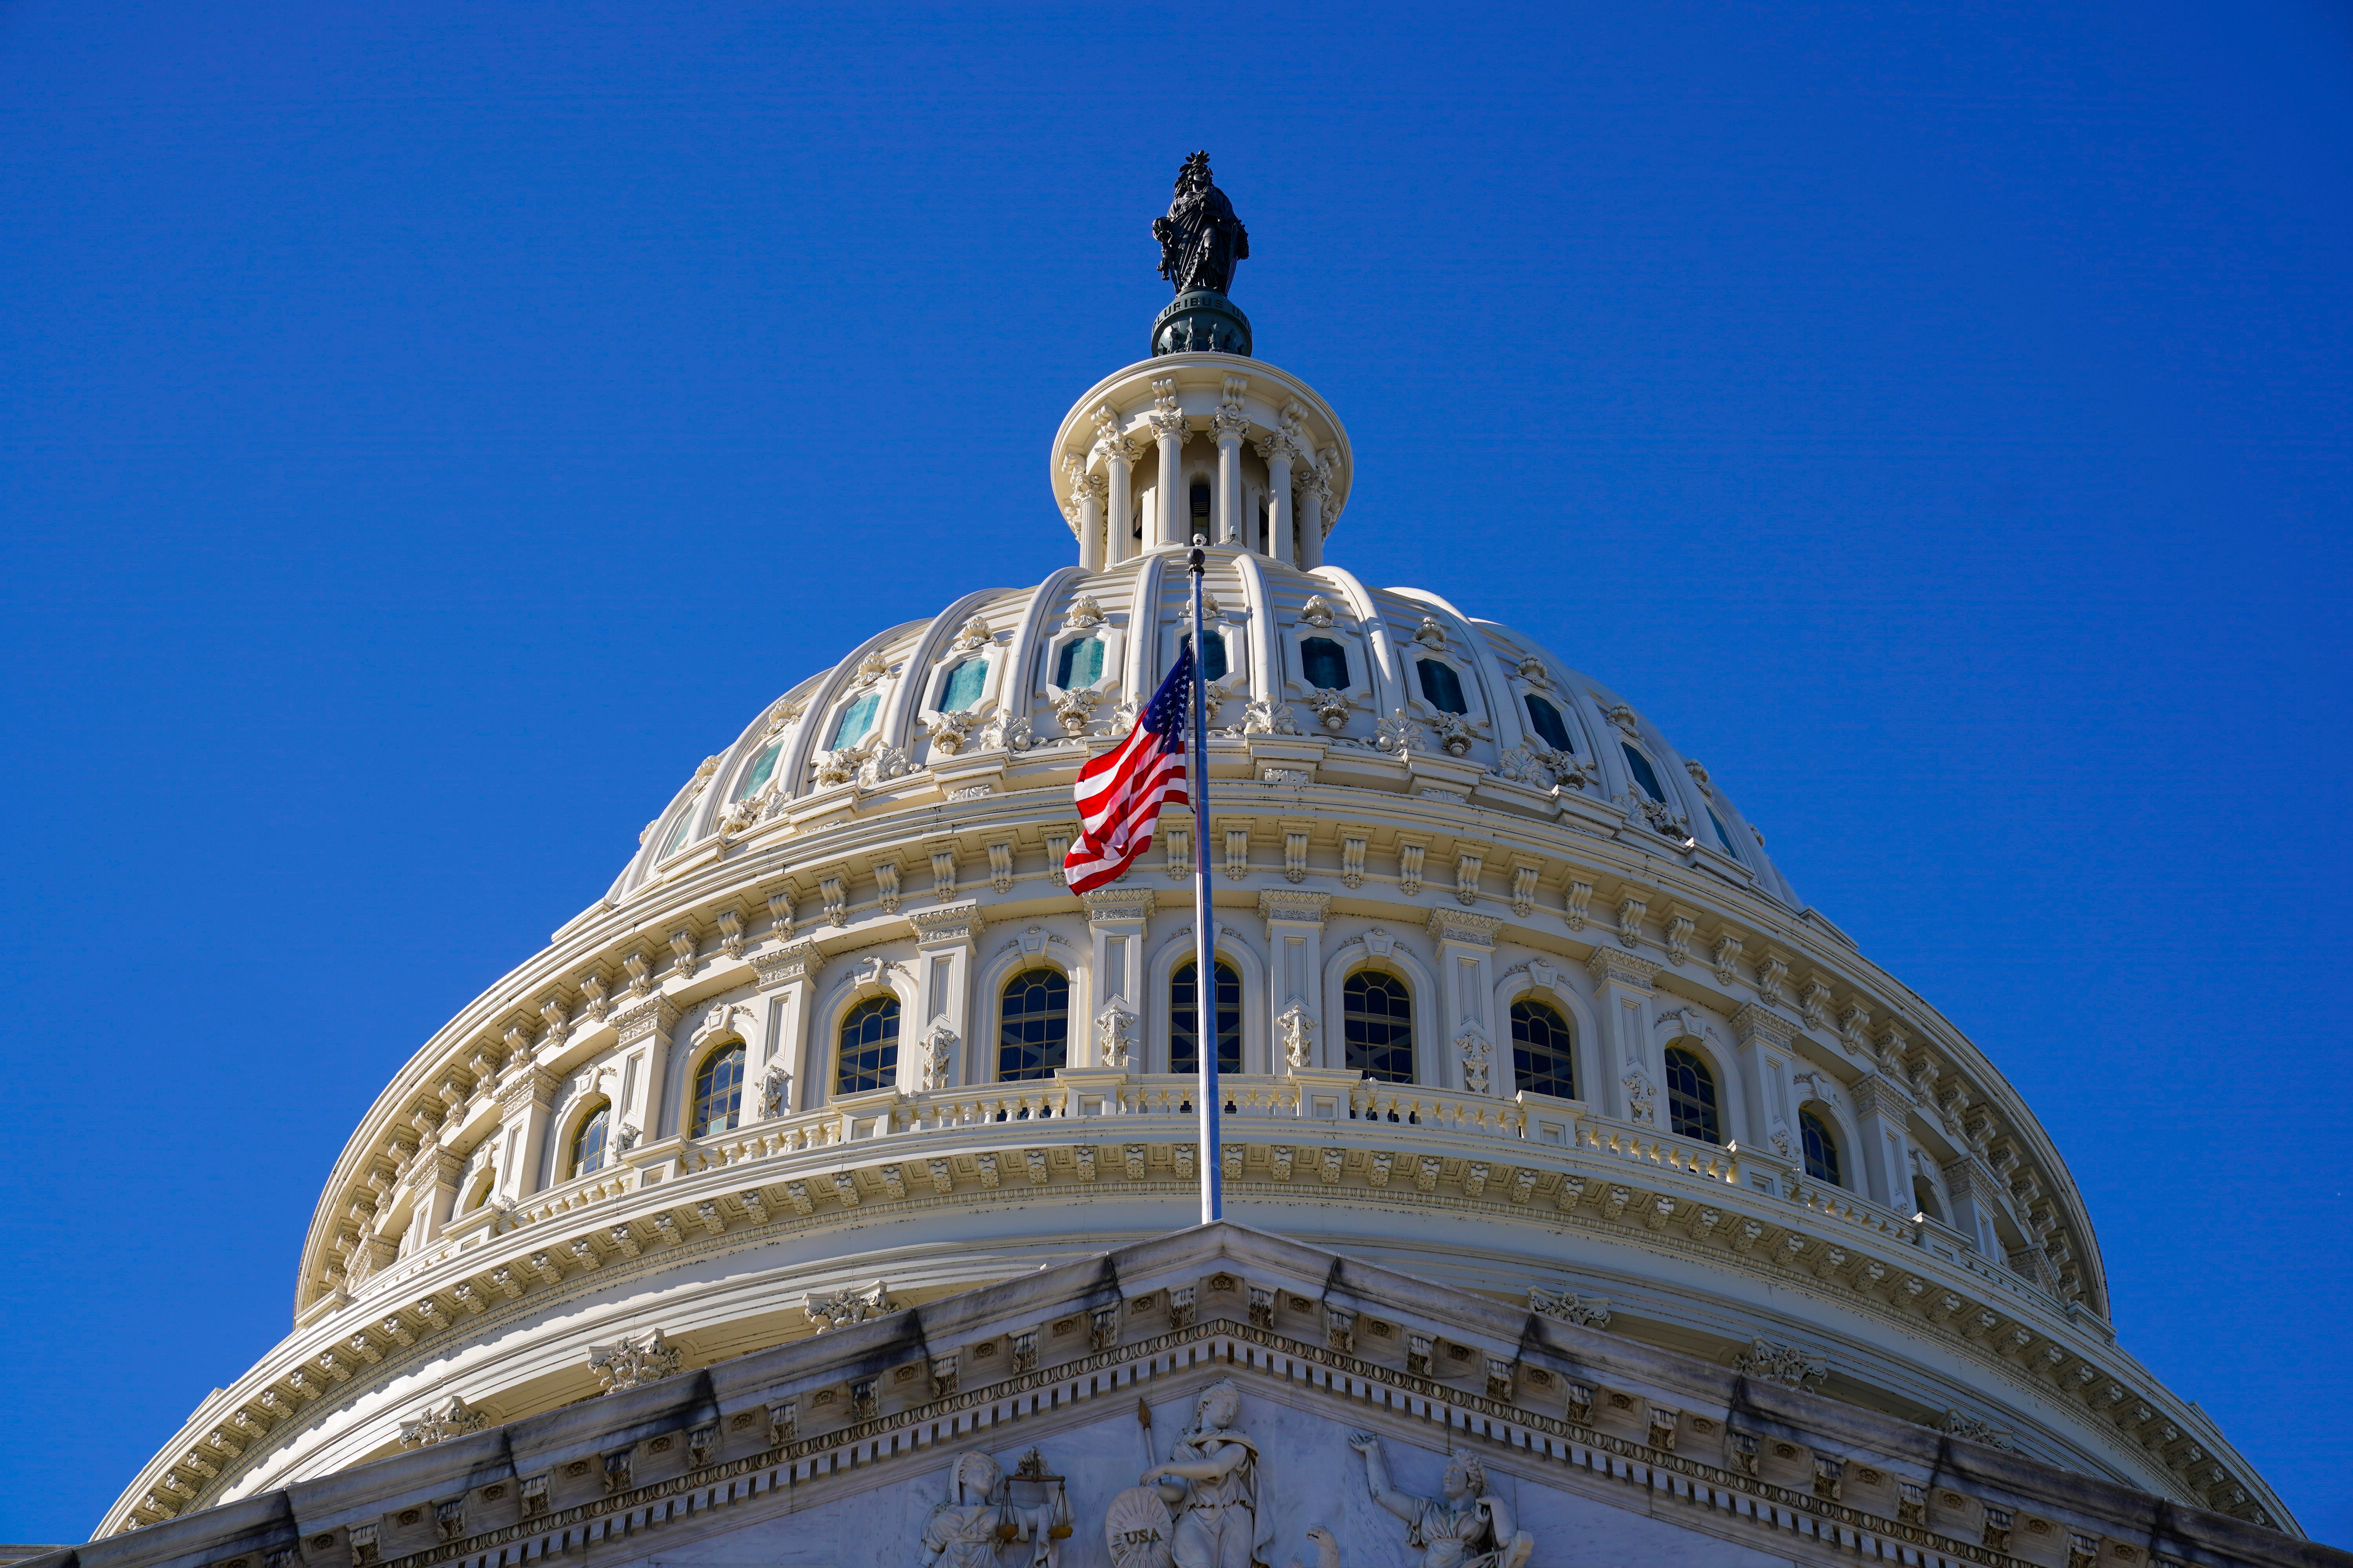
1139 1529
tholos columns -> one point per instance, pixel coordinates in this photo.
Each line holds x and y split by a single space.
1174 515
1228 426
1276 450
1311 496
1120 454
1086 499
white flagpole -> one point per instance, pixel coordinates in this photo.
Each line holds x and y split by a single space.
1205 934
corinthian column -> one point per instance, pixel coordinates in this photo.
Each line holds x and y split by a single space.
1228 426
1120 453
1086 501
1168 426
1314 489
1276 450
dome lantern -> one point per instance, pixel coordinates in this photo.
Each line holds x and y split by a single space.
1201 439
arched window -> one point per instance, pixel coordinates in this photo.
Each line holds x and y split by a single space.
719 1090
482 1191
964 684
1441 687
1185 1018
1080 664
1822 1149
1213 654
1542 1061
1323 663
1691 1098
869 1058
1924 1197
1643 774
1550 727
588 1144
855 720
1200 500
763 765
1376 1025
1034 1040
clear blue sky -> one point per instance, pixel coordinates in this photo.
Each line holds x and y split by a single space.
429 430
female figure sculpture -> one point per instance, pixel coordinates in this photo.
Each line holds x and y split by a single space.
1200 239
965 1531
1470 1527
1223 1524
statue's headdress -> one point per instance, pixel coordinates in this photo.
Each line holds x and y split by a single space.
1474 1474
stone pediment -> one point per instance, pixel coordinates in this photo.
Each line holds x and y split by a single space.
845 1448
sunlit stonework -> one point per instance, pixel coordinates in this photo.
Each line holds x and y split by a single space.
824 1193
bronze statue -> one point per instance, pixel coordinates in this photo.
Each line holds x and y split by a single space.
1200 239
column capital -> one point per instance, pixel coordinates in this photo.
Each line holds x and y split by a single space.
533 1087
1609 967
1876 1096
1463 926
947 924
1168 426
655 1014
1109 904
1229 425
1289 905
794 961
1754 1025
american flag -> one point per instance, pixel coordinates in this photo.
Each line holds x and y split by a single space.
1121 793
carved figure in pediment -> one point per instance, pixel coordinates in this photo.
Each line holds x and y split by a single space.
963 1532
1469 1527
1220 1522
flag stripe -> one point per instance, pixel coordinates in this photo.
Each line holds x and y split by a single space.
1120 794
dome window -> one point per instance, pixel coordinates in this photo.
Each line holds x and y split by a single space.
1721 836
1548 724
678 834
1644 774
1323 663
1924 1197
1542 1061
1822 1149
855 720
1080 665
588 1144
962 687
762 767
1185 1019
1377 1022
1200 498
869 1058
1691 1098
1213 654
1033 1037
1441 687
719 1091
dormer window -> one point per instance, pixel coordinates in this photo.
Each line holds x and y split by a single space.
1441 686
1080 664
757 775
1644 774
855 720
1721 836
963 686
1213 654
1548 724
1323 663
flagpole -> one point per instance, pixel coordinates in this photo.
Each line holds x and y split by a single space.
1205 933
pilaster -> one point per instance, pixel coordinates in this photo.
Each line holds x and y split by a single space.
787 980
1880 1108
1476 1059
523 1107
1764 1037
1622 989
947 938
1116 918
643 1031
1295 971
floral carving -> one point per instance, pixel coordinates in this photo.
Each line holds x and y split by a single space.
1399 735
1330 707
1478 1057
973 634
1265 716
633 1360
1780 1364
1569 1306
1317 611
848 1306
438 1423
1431 633
1085 612
1640 1096
1453 732
949 732
1074 710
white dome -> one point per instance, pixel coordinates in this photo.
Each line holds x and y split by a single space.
1620 1061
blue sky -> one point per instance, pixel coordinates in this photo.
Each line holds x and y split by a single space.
429 430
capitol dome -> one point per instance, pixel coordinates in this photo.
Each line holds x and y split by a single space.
1510 997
